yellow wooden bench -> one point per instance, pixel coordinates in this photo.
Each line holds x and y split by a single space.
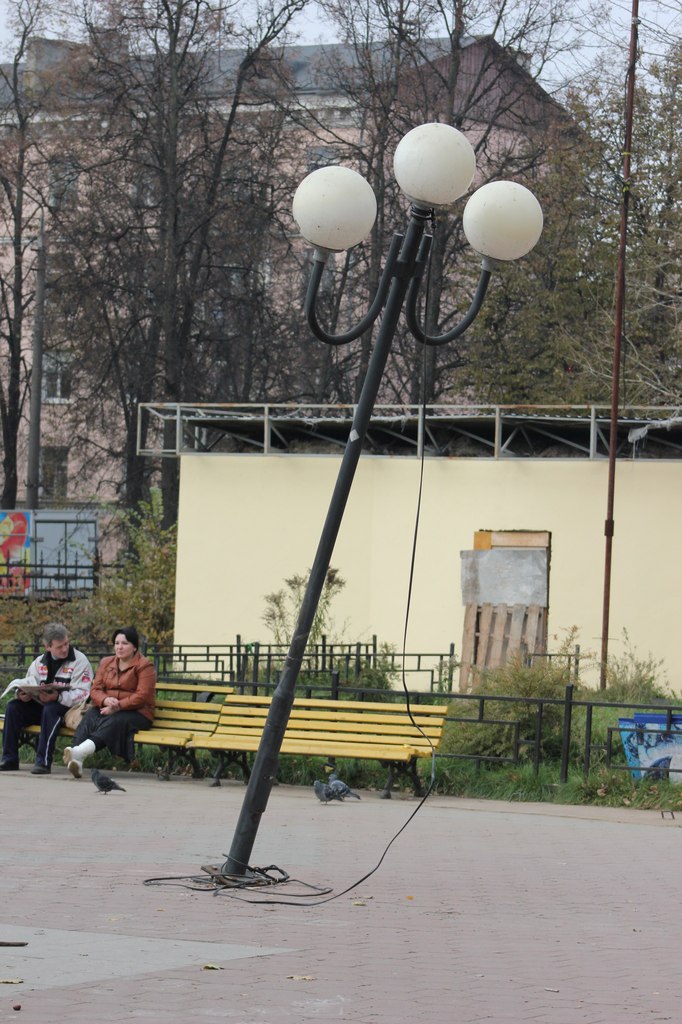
331 728
177 722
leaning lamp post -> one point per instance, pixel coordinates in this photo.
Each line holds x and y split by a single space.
335 209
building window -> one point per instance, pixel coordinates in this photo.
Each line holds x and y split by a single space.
56 377
62 184
54 472
322 156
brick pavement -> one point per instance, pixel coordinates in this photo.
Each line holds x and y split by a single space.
481 911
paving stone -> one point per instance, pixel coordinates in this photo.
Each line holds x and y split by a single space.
480 911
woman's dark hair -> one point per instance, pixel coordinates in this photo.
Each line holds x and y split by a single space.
130 633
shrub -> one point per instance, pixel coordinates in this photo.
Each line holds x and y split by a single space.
633 679
282 608
495 738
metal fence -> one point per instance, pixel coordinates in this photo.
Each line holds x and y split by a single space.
261 662
582 734
537 730
241 661
576 734
61 577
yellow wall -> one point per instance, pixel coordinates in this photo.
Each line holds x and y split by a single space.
247 522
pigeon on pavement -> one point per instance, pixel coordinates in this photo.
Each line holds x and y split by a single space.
103 782
323 792
341 789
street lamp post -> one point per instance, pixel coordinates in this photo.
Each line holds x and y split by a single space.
335 209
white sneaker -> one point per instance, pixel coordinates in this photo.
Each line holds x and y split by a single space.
74 766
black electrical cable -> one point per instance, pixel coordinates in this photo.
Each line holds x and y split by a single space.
415 533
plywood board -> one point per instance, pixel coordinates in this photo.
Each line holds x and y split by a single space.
519 539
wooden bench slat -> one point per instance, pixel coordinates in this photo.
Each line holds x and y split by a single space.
227 736
328 747
379 723
350 705
342 725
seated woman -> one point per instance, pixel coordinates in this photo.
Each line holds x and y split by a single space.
122 695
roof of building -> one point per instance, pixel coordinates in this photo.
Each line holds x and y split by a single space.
563 432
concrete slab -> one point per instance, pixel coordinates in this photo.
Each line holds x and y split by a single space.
56 958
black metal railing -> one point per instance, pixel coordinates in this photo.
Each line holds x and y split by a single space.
576 734
262 662
63 577
537 730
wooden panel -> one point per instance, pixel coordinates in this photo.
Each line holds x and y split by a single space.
485 621
532 624
482 540
518 617
519 539
498 647
468 646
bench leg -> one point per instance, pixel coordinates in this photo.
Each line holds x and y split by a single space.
227 757
164 773
402 769
196 769
219 770
386 794
416 781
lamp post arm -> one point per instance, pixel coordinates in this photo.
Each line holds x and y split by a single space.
373 311
465 322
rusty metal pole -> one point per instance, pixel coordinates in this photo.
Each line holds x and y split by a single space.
617 338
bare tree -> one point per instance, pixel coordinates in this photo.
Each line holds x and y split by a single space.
19 220
472 65
169 235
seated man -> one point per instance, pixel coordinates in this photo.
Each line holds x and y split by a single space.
63 676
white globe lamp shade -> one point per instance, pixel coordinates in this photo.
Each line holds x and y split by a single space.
334 208
502 220
434 164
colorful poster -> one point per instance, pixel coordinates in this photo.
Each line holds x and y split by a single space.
15 551
653 746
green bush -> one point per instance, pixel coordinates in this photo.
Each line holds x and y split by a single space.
633 679
495 738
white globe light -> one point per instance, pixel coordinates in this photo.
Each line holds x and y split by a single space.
502 220
434 164
334 208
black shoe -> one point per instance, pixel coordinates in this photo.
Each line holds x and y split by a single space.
9 766
40 769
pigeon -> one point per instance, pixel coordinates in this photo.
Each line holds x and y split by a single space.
104 783
323 792
341 789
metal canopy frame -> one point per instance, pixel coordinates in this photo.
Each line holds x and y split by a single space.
461 431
